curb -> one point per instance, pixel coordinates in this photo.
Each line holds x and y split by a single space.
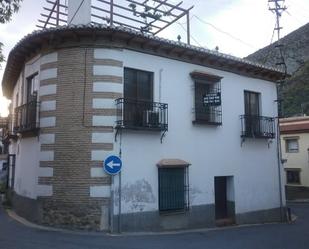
27 223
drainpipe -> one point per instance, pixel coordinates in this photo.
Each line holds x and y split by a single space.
279 156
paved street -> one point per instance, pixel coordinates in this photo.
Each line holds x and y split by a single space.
14 235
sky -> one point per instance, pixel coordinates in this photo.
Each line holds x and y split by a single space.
237 27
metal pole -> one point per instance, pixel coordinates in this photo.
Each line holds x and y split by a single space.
111 12
58 5
188 28
279 156
119 205
112 206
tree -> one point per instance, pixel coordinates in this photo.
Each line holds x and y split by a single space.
7 8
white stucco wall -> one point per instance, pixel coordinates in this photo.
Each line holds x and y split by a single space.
211 150
27 149
26 168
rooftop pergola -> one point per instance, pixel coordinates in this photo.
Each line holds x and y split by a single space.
146 16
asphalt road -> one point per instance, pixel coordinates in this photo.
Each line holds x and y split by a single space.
14 235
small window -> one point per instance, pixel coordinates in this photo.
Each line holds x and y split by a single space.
291 145
252 103
207 98
32 86
293 176
173 195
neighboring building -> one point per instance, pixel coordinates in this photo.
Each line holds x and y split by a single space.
195 130
295 150
3 150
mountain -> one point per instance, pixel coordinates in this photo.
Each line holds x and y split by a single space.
295 91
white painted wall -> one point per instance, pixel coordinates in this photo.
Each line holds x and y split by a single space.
212 151
26 169
27 150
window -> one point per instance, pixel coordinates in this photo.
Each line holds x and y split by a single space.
26 116
207 98
293 176
138 85
32 86
138 97
173 195
252 103
137 110
252 113
291 145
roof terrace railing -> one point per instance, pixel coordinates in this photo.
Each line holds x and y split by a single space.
150 16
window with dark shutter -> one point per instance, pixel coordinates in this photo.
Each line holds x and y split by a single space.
173 189
293 176
137 110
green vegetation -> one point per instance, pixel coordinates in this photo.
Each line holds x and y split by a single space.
296 92
7 8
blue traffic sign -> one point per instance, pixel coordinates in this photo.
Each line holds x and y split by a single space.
112 165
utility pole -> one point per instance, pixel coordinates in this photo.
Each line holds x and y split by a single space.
277 7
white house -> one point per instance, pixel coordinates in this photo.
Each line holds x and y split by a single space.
195 130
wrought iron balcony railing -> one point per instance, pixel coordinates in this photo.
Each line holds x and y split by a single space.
257 126
26 117
144 115
209 116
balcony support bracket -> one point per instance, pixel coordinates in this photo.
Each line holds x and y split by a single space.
163 135
116 133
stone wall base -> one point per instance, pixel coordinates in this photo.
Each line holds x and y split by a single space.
85 216
197 217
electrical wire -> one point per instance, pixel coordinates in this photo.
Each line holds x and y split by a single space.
190 35
300 22
270 50
186 31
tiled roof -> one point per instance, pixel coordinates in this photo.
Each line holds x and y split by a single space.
18 54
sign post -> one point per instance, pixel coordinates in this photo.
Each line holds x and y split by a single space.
112 166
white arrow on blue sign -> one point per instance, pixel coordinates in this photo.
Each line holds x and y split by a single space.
112 165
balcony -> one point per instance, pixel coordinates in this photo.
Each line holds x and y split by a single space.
26 118
257 127
141 115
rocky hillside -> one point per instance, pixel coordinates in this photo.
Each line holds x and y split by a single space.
296 53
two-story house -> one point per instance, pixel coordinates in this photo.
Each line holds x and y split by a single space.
295 151
195 129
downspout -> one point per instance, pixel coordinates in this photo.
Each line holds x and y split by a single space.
279 156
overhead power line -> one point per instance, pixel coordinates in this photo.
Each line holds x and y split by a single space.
181 25
224 32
